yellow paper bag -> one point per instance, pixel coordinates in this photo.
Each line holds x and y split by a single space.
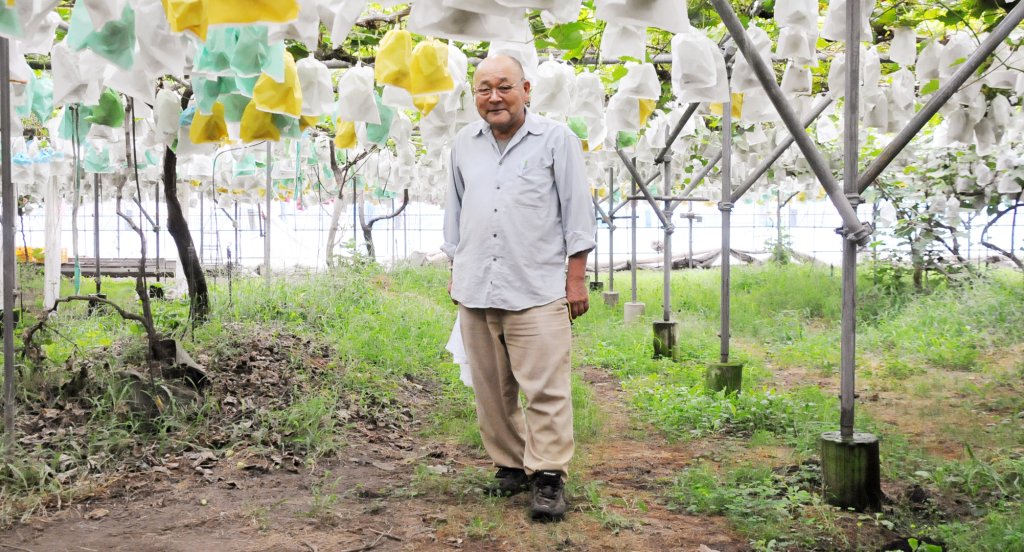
430 68
236 12
646 108
258 125
345 135
394 58
737 106
426 104
285 97
209 128
187 15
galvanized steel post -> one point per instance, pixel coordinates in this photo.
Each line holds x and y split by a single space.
725 206
7 191
266 226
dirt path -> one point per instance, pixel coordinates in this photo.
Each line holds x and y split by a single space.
388 491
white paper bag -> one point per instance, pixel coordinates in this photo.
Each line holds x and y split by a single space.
695 59
588 101
433 18
669 15
552 91
641 81
623 114
344 14
928 61
619 41
394 96
834 27
796 80
486 7
525 53
457 348
800 14
903 48
797 44
317 89
355 96
743 77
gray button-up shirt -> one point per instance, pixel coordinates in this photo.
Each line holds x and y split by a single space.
511 219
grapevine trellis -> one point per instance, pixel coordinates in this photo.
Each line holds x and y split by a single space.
152 92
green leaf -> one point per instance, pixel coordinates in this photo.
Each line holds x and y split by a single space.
298 50
929 87
543 44
568 36
618 72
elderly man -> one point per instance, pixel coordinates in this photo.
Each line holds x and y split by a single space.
518 207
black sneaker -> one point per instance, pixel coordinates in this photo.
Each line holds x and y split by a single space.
548 503
510 481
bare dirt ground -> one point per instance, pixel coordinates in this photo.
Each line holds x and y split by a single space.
386 490
391 488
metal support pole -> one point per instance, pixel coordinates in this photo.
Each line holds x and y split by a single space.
96 227
202 227
669 229
784 145
851 147
597 214
941 96
611 230
689 218
156 227
854 229
7 191
266 233
238 252
725 206
632 236
355 212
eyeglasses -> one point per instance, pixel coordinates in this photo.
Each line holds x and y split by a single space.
502 90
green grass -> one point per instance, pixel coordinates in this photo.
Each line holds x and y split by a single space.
382 335
1001 529
771 509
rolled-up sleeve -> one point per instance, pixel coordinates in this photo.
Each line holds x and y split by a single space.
578 221
453 207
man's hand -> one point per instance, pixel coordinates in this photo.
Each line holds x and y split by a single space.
450 291
577 296
575 285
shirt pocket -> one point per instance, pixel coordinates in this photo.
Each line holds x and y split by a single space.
534 183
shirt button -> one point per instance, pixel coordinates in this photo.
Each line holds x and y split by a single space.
494 235
495 210
494 259
500 162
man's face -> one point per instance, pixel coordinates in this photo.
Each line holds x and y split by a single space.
501 94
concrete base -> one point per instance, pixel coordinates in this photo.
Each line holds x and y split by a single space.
596 286
851 471
724 376
666 340
611 298
633 311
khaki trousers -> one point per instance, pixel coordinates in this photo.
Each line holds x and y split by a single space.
528 351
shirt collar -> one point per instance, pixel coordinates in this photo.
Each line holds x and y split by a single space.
534 124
